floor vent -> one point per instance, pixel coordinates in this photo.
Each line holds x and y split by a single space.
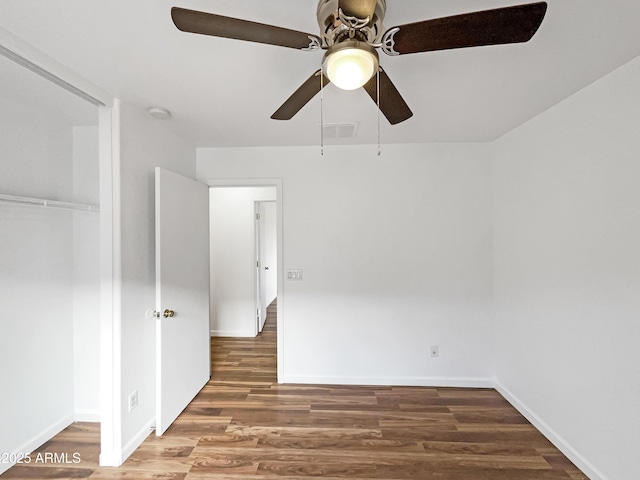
340 130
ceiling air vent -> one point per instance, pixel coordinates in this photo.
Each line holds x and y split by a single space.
340 130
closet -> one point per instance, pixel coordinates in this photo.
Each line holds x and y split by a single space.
49 259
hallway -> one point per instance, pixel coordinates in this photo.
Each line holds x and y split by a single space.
247 359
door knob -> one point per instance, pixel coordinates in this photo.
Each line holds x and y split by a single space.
168 313
266 268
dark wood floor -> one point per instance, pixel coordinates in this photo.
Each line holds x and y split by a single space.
243 425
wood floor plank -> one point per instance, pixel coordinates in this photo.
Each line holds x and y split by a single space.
311 470
39 472
243 425
122 473
346 434
306 442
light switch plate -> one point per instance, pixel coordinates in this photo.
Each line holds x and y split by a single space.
294 275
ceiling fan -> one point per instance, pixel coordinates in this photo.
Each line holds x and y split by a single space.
352 30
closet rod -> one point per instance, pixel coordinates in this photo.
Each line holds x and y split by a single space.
41 202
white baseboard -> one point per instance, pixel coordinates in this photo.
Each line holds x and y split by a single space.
233 333
92 416
137 439
110 459
561 444
117 457
40 438
460 382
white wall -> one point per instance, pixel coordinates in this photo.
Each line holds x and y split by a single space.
86 276
233 253
145 144
567 273
36 325
396 256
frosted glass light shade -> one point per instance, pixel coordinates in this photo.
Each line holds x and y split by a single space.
350 68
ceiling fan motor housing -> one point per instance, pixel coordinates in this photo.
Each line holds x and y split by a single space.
333 30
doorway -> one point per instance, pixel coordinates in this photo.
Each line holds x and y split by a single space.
235 310
56 215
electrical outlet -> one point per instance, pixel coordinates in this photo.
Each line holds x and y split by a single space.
133 400
435 351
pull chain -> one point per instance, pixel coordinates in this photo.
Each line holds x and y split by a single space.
321 112
378 94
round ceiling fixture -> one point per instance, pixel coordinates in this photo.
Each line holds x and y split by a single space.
159 113
350 64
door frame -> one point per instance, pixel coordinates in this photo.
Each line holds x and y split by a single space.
21 52
277 183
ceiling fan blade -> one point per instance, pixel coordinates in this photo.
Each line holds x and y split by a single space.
489 27
358 8
392 105
218 26
309 89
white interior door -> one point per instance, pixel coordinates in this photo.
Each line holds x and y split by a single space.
267 258
182 294
260 311
270 255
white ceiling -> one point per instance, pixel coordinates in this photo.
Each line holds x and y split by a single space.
222 92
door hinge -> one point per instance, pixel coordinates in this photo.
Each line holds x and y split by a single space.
257 216
258 264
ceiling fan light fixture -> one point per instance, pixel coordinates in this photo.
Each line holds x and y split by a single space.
350 64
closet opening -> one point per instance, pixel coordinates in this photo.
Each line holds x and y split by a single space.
49 259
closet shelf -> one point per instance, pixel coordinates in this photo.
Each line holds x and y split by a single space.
41 202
